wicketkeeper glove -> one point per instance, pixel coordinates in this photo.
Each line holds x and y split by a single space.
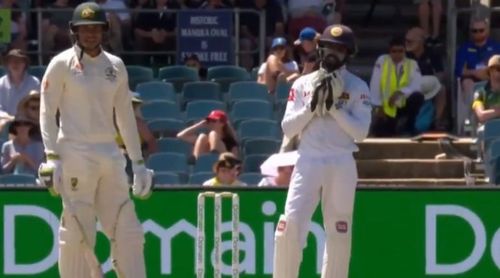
335 87
50 174
143 180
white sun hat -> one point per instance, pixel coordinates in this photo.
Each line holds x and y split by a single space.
270 166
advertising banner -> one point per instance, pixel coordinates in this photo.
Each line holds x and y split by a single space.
397 233
208 34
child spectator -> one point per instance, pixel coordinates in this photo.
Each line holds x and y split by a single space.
227 170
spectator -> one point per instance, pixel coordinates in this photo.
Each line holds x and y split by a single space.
194 62
306 44
311 63
424 9
55 27
16 84
214 5
119 22
432 70
290 74
278 169
395 92
221 136
29 108
305 13
156 31
21 154
18 28
275 68
250 27
227 170
472 58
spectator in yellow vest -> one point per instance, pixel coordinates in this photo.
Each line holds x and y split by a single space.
395 92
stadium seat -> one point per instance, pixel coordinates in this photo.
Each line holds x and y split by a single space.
252 162
251 109
247 90
261 146
168 162
225 75
199 109
161 110
3 71
178 76
37 71
199 178
165 127
251 179
279 109
283 90
200 90
139 74
205 162
17 180
156 90
175 145
259 129
254 74
165 179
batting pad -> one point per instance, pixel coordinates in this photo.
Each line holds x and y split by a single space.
338 247
287 249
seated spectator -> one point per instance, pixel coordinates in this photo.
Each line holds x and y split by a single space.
277 66
250 28
193 61
395 92
278 169
214 4
226 169
16 84
29 108
306 13
21 154
424 16
306 44
486 103
290 74
156 31
310 64
472 58
221 136
119 22
18 28
55 27
432 70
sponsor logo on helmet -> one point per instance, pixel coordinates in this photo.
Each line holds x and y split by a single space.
88 13
336 31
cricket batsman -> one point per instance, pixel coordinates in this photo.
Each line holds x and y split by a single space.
88 86
330 109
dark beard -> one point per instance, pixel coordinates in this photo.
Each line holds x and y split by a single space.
331 63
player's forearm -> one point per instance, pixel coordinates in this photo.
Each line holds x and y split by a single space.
357 128
294 123
49 130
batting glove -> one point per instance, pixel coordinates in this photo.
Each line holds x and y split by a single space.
143 180
50 174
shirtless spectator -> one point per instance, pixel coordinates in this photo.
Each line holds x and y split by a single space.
276 67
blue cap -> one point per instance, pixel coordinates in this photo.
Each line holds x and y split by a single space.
307 34
279 41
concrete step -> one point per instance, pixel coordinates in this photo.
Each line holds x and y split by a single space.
385 148
420 182
410 168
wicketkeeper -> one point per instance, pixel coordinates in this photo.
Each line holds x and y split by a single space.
87 85
330 110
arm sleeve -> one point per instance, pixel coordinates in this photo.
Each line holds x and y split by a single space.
356 121
375 84
297 113
125 118
460 61
415 81
51 95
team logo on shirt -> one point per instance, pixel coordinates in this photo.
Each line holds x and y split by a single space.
74 184
342 100
110 74
291 95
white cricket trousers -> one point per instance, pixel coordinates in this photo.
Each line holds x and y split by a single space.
333 181
95 183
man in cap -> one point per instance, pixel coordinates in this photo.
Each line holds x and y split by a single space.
306 43
277 67
330 109
84 164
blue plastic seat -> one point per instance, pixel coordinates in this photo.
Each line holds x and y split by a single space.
166 179
201 90
261 146
254 74
156 90
168 162
205 162
165 127
37 71
199 178
247 90
139 74
199 109
175 145
259 129
178 72
17 180
251 109
251 179
234 72
282 90
161 110
252 162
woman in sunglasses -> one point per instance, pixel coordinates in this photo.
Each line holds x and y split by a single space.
29 107
219 135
